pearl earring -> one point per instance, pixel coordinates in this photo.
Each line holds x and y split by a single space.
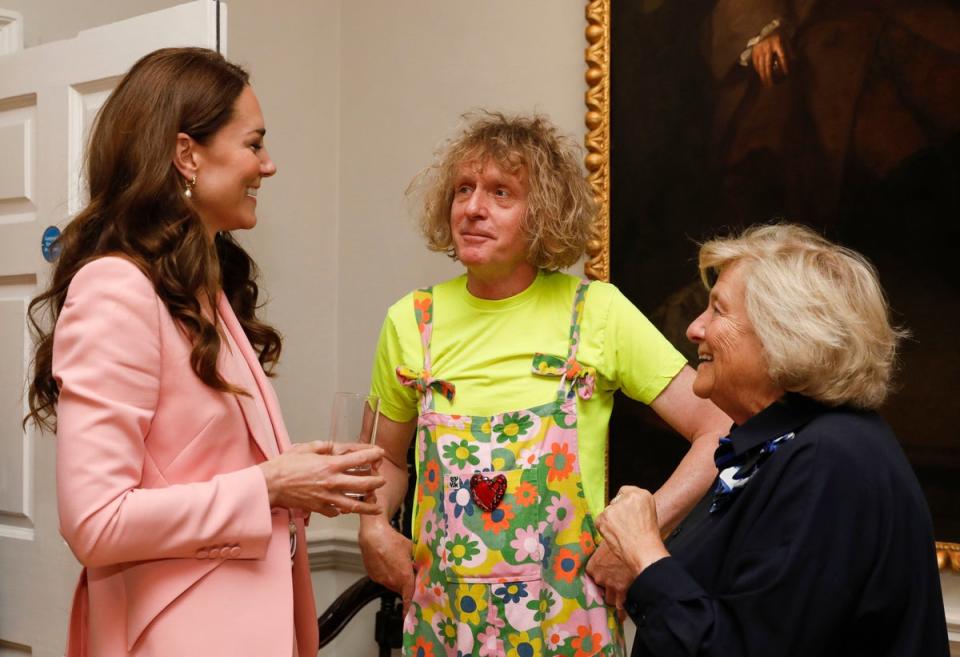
188 187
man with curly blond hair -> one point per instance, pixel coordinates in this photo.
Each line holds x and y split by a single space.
508 374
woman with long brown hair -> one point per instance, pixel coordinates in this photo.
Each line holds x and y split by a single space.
178 488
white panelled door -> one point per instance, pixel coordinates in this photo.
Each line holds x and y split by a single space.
49 95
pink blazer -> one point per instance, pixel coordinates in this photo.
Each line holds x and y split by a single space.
160 496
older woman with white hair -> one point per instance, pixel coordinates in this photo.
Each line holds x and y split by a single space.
816 538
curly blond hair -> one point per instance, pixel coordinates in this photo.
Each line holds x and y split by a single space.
560 205
818 309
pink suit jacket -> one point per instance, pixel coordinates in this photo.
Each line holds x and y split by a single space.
160 496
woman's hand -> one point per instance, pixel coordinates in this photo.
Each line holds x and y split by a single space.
610 574
387 556
630 527
314 477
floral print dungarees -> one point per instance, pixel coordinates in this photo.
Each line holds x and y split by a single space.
502 532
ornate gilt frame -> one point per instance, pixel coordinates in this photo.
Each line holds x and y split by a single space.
597 140
597 162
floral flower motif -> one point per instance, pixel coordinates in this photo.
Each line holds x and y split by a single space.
423 559
527 458
526 542
523 645
422 649
410 622
470 601
462 502
431 476
586 643
461 453
593 594
490 643
566 565
422 301
526 494
428 526
541 608
512 591
587 544
556 637
480 428
512 426
559 462
499 519
433 593
546 543
560 512
447 631
458 421
461 549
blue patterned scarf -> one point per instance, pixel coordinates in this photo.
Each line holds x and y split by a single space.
736 471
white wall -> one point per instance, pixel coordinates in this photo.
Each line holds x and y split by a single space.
52 20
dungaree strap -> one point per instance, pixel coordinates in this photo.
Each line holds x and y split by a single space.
575 378
421 380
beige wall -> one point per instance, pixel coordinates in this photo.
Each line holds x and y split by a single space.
294 58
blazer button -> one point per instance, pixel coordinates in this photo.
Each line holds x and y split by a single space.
234 552
201 554
214 553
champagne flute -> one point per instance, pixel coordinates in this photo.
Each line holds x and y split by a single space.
353 419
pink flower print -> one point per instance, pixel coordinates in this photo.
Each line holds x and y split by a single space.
560 512
555 637
410 620
433 594
429 526
592 593
458 421
527 544
490 643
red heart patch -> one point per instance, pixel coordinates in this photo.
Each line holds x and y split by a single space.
486 492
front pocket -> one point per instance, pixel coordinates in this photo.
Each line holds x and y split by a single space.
499 545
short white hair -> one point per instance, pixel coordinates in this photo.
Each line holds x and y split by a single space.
818 309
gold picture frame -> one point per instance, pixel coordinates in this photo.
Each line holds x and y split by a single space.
597 162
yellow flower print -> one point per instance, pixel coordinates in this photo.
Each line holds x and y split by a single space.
471 601
523 645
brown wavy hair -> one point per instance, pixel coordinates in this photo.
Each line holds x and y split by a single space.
137 211
560 206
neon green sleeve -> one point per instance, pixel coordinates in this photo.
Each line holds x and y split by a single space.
397 402
636 357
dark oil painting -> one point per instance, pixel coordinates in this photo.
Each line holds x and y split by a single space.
851 124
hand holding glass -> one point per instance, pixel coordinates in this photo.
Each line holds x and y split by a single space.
353 419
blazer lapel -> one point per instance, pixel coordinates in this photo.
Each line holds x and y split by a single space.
242 369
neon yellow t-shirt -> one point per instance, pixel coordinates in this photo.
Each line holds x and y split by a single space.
485 348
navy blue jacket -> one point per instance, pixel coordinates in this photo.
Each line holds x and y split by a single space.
827 550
